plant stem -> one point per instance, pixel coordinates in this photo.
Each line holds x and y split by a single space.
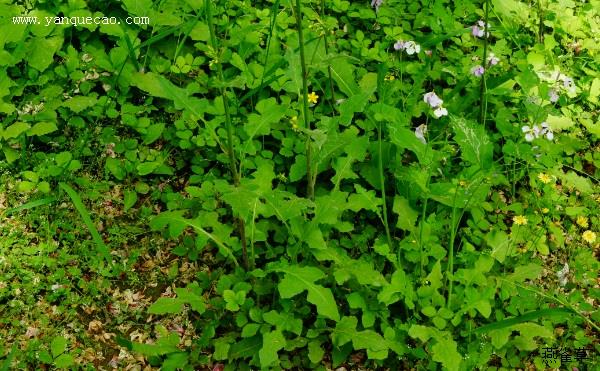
229 127
332 98
450 269
383 198
310 187
482 88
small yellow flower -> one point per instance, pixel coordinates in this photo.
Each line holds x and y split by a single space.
390 77
520 220
582 221
545 210
313 97
589 236
544 178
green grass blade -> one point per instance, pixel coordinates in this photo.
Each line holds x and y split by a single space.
523 318
87 220
30 205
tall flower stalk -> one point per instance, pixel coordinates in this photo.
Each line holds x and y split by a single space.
235 173
310 187
483 87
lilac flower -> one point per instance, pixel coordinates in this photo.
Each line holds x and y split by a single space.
410 47
376 4
553 95
478 71
420 132
493 60
439 112
480 28
432 99
536 131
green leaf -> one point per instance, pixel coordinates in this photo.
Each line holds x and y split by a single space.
374 343
153 132
42 128
499 241
407 216
166 305
42 52
344 331
58 346
159 86
146 168
245 348
176 218
115 167
15 130
87 220
522 318
272 342
315 351
269 113
474 143
444 351
297 279
129 199
80 103
64 361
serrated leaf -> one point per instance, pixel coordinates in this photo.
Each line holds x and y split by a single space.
297 279
246 348
269 113
344 331
41 52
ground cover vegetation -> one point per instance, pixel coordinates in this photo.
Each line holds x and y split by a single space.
304 184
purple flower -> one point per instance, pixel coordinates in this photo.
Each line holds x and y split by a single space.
432 99
480 28
493 60
478 71
553 95
376 4
410 47
420 132
439 112
399 45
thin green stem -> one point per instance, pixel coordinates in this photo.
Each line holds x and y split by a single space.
482 88
450 269
310 187
325 31
229 127
383 198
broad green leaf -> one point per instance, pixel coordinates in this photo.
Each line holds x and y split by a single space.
474 143
15 130
246 348
374 343
297 279
58 346
407 216
129 199
159 86
344 331
115 167
42 128
153 133
272 343
80 103
269 112
41 51
559 122
166 305
175 218
500 242
444 351
64 361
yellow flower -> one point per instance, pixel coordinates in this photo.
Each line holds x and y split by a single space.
390 77
582 221
544 178
520 220
313 97
589 236
545 210
294 122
